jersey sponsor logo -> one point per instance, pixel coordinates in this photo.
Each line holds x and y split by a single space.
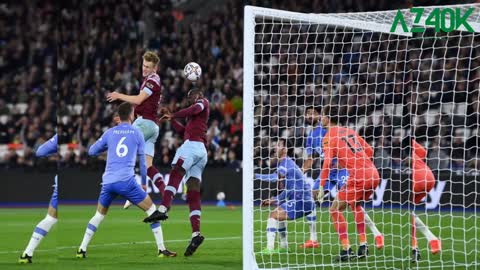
149 85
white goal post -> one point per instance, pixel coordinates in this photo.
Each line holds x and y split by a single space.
416 61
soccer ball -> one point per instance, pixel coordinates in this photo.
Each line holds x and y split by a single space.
221 196
192 71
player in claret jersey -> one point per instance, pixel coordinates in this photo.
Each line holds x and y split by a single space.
189 161
353 154
147 102
46 149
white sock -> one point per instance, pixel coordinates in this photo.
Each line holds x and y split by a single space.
40 231
312 225
91 229
424 229
272 228
151 209
158 234
370 224
282 231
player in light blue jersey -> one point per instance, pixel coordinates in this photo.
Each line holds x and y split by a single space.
295 201
123 144
48 148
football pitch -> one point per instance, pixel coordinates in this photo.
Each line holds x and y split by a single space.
458 231
122 241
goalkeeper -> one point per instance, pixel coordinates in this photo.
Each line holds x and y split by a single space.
336 179
295 201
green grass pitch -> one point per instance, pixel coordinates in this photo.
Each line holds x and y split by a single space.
458 231
122 241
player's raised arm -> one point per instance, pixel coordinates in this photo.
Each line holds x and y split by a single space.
195 96
272 177
48 148
99 146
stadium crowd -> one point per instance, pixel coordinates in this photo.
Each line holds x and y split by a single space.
97 55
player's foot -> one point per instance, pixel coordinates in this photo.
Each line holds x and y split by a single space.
81 254
435 246
416 255
194 244
379 241
166 253
25 259
127 204
310 244
155 216
362 251
346 255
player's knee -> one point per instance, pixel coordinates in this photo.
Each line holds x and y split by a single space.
193 184
178 167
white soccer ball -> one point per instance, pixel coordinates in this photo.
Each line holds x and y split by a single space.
221 196
192 71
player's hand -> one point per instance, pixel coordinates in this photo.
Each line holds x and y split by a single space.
113 96
267 202
320 195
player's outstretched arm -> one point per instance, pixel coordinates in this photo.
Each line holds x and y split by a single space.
48 148
177 126
272 177
419 150
194 109
99 146
135 100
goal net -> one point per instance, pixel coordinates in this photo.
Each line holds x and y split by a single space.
395 89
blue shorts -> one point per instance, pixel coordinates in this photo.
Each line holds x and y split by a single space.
54 199
297 209
129 189
336 178
150 131
194 156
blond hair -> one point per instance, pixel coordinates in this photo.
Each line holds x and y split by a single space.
151 56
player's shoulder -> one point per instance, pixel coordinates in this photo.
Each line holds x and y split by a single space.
203 100
152 79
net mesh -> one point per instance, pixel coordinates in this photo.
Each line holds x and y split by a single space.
388 87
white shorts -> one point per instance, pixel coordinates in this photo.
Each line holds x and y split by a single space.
150 131
194 156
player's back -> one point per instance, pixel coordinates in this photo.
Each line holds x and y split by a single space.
149 107
352 152
123 143
295 184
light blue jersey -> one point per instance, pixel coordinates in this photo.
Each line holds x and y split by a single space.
296 188
314 143
49 148
123 143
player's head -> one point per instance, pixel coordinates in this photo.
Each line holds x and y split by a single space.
125 112
284 147
150 63
194 94
313 115
330 115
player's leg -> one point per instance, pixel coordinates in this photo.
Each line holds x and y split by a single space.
42 228
92 226
194 200
276 223
312 222
131 191
379 239
340 225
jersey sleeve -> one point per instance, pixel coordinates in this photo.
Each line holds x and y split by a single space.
47 148
150 87
329 153
100 145
194 109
